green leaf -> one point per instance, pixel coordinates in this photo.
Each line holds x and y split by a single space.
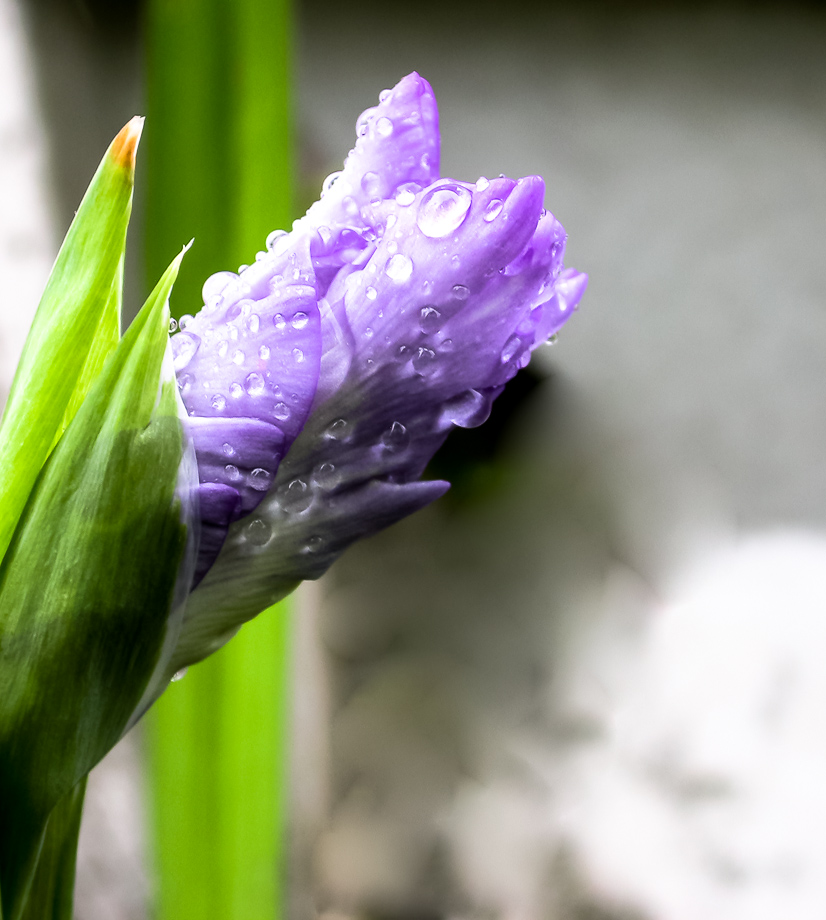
86 588
76 327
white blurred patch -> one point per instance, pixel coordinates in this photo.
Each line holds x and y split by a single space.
708 799
26 219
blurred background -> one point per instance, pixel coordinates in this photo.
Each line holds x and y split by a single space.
588 684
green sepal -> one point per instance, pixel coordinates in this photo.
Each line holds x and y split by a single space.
86 588
75 328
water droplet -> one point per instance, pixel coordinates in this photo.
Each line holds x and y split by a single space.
232 471
455 261
460 292
443 210
260 479
423 360
180 675
173 325
223 347
184 383
430 320
371 183
336 430
228 449
396 438
368 333
510 349
274 237
184 345
482 184
297 497
279 322
258 532
371 293
399 268
260 255
392 247
281 411
298 355
300 320
253 323
218 403
446 346
184 321
254 384
313 544
405 196
329 182
242 268
238 357
326 476
467 410
493 210
263 353
385 94
403 353
551 340
236 391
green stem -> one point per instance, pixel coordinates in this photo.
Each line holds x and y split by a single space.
220 168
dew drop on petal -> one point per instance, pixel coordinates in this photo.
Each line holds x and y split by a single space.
185 383
173 325
232 472
326 476
371 183
258 532
299 321
253 323
371 293
467 410
385 94
443 210
297 497
281 411
228 449
238 357
180 675
493 210
218 403
263 352
482 184
236 391
510 349
279 322
430 319
396 438
274 237
405 197
336 430
313 544
184 345
260 479
329 182
399 268
424 360
384 126
460 292
184 321
254 384
298 355
223 348
446 346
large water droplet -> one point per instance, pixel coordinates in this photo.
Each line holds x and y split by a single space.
274 237
238 357
384 126
371 293
232 471
396 438
236 391
399 268
329 182
184 345
299 321
443 209
218 403
173 325
258 532
467 410
430 319
406 194
228 449
281 411
460 292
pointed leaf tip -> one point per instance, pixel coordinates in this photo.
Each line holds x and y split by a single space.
125 145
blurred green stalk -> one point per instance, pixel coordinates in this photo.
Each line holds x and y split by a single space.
219 167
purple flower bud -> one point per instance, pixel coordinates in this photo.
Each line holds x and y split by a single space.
321 380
